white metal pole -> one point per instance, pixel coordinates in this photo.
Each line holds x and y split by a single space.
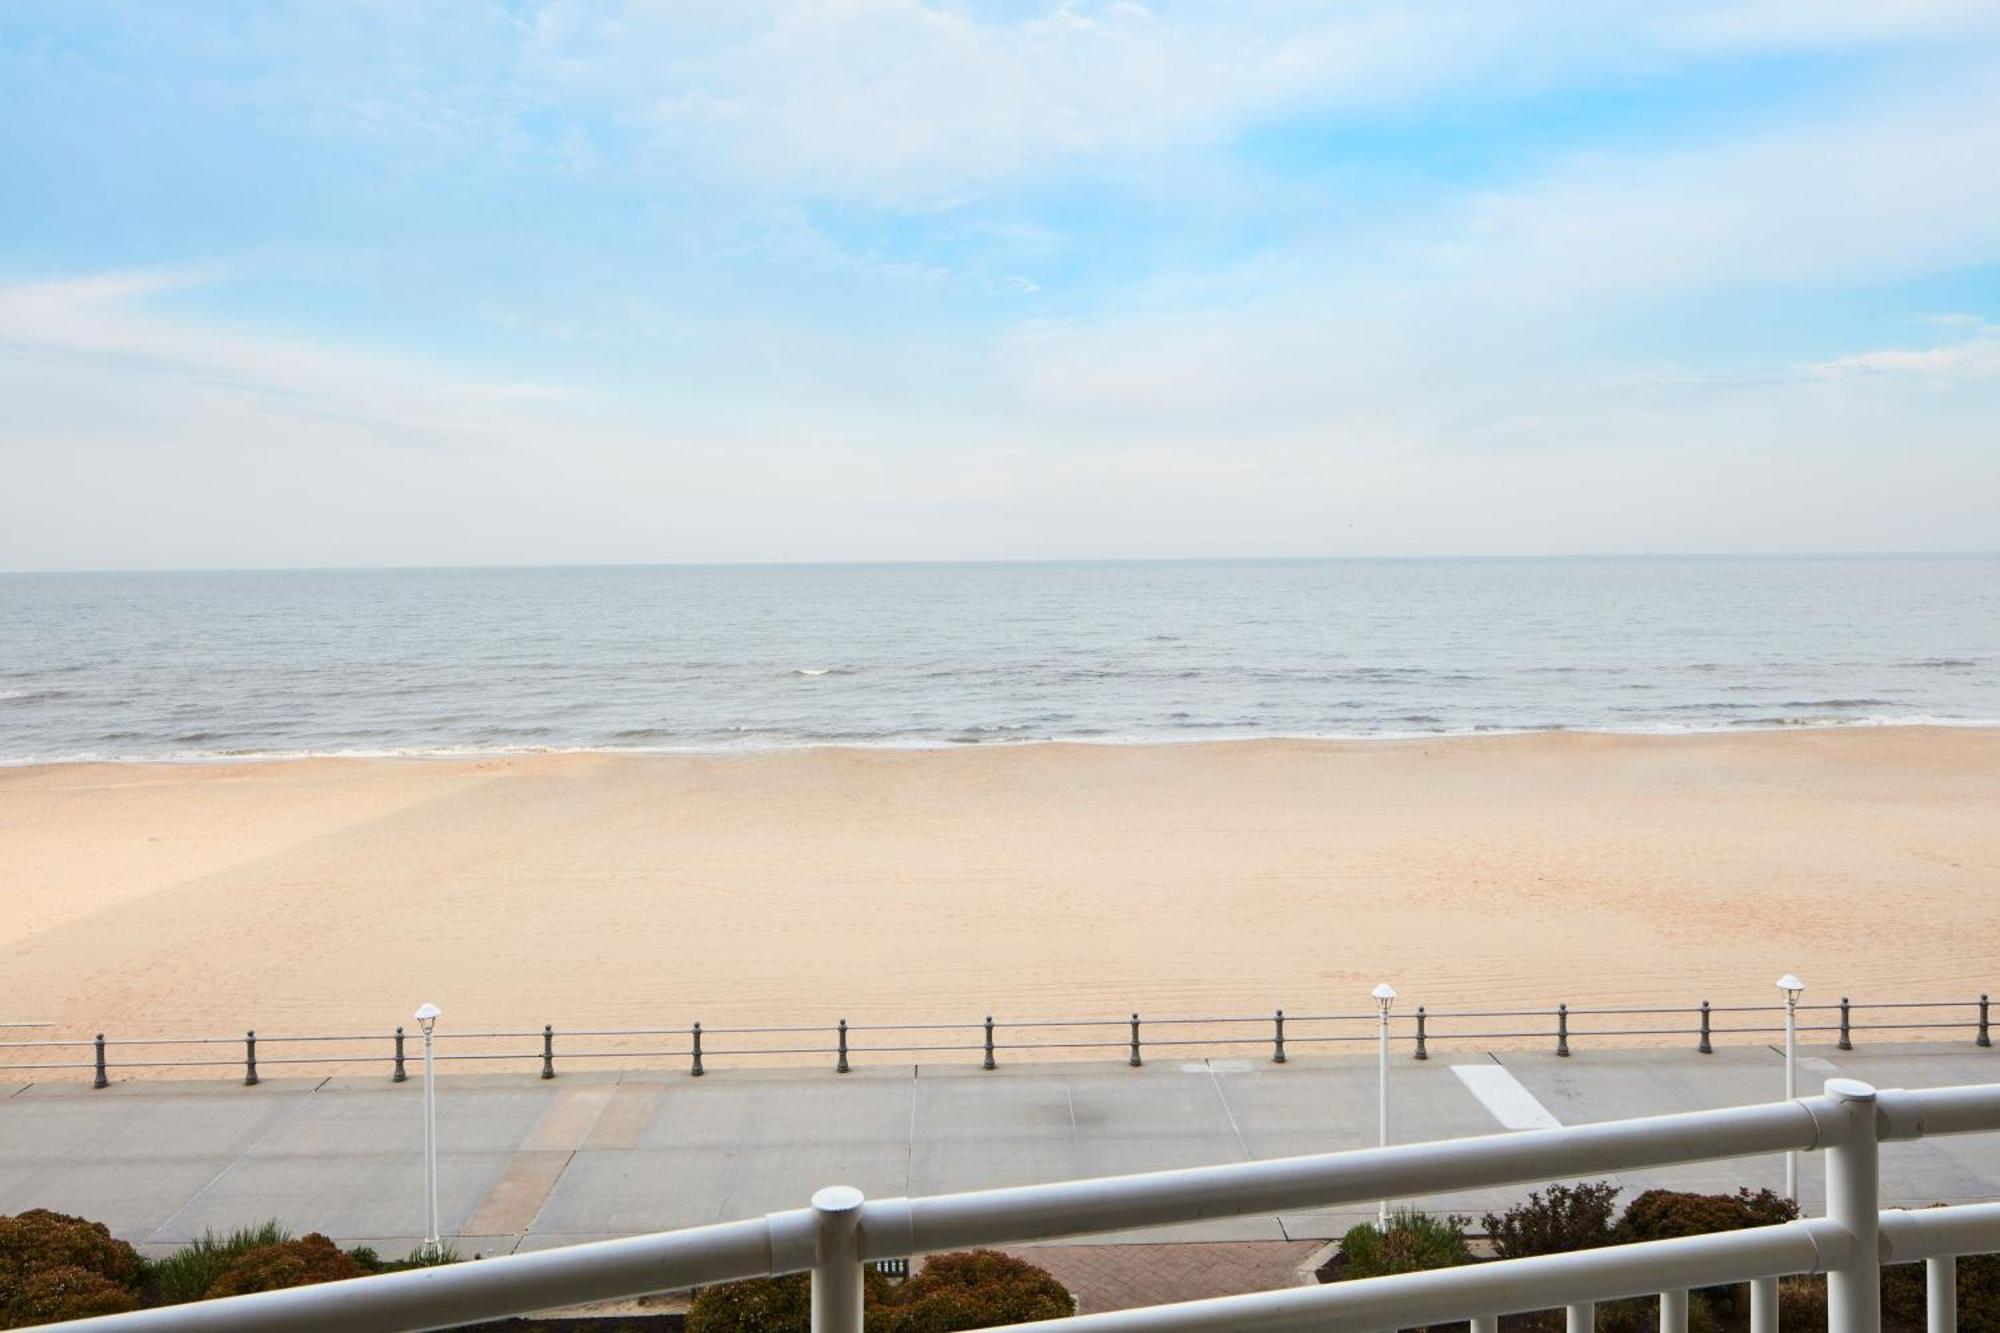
432 1241
836 1276
1791 986
1581 1317
1853 1199
1674 1311
1764 1305
1385 995
1792 1090
1382 1095
1941 1294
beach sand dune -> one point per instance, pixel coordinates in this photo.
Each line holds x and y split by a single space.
1031 881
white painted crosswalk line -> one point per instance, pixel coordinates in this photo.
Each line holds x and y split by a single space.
1501 1093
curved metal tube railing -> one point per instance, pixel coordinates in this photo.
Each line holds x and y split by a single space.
841 1231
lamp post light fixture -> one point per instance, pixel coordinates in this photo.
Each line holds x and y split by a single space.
1385 995
1791 986
427 1017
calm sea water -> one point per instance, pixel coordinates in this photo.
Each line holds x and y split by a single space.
234 664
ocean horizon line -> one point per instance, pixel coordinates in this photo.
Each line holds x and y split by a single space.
971 562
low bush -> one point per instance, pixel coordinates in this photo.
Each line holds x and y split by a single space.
972 1289
1978 1294
64 1291
1802 1303
1665 1214
1556 1220
1413 1242
55 1267
965 1290
310 1259
769 1304
188 1273
39 1239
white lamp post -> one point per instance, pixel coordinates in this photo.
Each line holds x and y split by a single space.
1385 995
427 1018
1791 986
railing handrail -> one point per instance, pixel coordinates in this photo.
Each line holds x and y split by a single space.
840 1230
1129 1035
1507 1286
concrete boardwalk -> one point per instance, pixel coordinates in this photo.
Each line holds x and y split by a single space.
528 1163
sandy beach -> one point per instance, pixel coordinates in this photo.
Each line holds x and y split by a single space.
602 890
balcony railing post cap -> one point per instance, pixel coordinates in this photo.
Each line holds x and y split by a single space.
837 1199
1849 1090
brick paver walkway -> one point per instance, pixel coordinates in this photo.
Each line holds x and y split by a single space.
1119 1277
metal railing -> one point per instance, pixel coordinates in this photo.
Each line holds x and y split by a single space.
1132 1038
841 1231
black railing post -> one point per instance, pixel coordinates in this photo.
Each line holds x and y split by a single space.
1423 1035
400 1076
1846 1030
841 1066
250 1058
1135 1062
1985 1037
989 1043
1706 1047
696 1070
102 1081
548 1050
1278 1043
1562 1029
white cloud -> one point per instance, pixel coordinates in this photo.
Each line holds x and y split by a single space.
1976 357
907 103
105 324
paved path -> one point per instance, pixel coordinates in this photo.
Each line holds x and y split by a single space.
528 1164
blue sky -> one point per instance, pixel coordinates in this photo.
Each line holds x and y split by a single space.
379 283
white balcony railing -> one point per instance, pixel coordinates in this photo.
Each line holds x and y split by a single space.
841 1231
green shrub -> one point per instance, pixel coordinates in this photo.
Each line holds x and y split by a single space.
188 1273
971 1289
1556 1220
1414 1242
421 1257
290 1263
64 1291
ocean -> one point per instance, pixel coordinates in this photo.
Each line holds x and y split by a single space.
222 665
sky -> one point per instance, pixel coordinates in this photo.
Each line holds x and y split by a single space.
364 282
